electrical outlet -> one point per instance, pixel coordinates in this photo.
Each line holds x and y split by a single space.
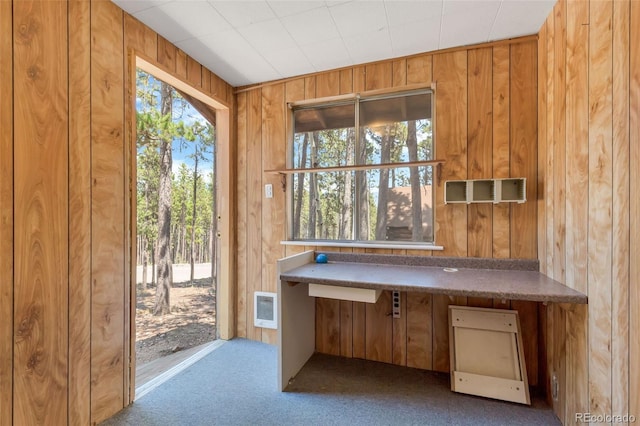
396 304
268 190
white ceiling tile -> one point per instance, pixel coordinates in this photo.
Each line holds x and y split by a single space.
202 17
416 37
311 26
467 27
469 7
289 62
197 48
243 13
516 18
331 34
267 36
166 25
289 8
359 17
403 12
367 47
327 54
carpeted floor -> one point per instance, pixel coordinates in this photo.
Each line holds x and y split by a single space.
236 385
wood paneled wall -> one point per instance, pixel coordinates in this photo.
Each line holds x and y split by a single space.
588 219
64 204
486 102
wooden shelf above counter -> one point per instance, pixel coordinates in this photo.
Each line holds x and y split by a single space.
358 167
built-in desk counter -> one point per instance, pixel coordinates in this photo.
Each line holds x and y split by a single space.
511 279
492 278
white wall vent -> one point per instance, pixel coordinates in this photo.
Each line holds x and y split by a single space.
265 309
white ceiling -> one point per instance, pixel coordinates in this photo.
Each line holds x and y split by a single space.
247 42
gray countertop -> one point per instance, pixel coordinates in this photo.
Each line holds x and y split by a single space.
499 283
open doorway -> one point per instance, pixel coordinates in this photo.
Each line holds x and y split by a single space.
176 220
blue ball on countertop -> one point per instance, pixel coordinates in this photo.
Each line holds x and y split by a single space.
321 258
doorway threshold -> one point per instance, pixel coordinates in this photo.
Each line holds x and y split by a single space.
153 374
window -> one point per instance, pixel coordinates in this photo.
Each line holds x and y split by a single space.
365 169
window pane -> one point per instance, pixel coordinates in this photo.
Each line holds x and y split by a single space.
397 129
400 204
315 118
328 148
323 206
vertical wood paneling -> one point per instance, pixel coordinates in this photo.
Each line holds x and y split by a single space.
206 80
620 220
359 79
450 73
378 329
359 319
80 213
634 207
542 153
328 326
242 320
41 249
600 191
73 312
419 330
6 214
378 75
346 328
181 64
577 146
501 107
479 148
273 157
346 81
167 54
399 73
559 142
140 37
523 150
549 176
107 210
254 203
328 84
194 72
420 69
599 374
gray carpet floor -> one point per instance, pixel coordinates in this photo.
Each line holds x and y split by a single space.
236 385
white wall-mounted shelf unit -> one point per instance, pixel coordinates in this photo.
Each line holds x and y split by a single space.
509 190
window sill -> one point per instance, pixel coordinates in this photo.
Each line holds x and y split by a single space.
395 246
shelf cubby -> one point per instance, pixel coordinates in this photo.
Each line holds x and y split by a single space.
509 190
455 191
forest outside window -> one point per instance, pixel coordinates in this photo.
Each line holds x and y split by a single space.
362 175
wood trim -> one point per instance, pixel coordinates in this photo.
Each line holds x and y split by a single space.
508 41
357 167
164 73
